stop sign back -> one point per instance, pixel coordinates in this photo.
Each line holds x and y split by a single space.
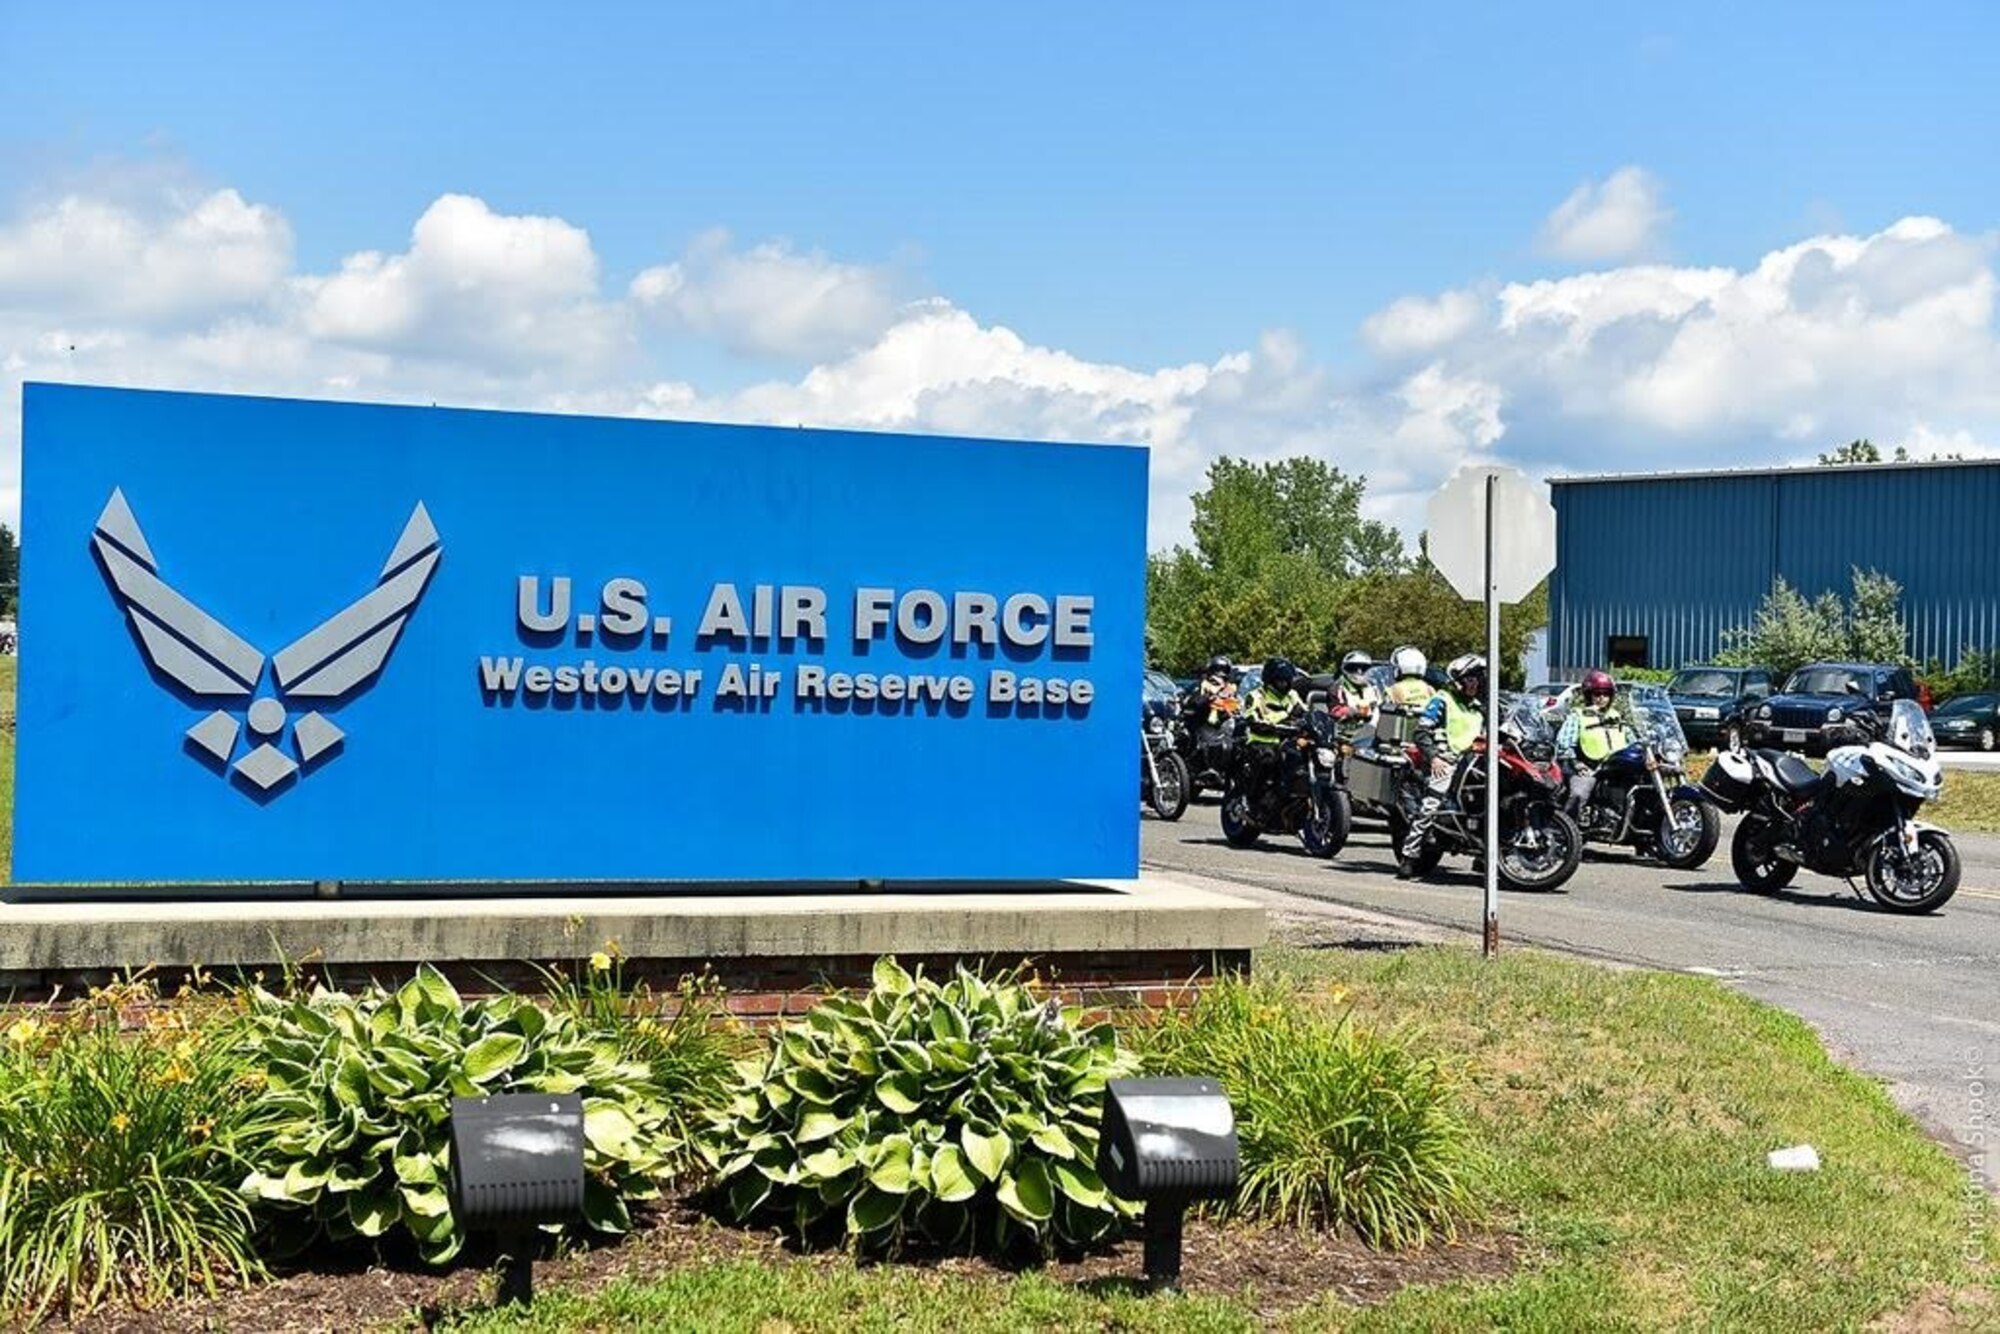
1524 532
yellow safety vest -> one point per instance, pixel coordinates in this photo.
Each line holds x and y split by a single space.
1271 710
1461 724
1363 697
1411 692
1602 737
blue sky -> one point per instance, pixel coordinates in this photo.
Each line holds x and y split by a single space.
1133 186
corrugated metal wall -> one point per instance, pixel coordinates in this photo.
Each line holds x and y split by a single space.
1680 559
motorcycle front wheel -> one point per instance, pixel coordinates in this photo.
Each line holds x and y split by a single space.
1544 852
1329 818
1914 884
1756 863
1238 827
1688 834
1170 794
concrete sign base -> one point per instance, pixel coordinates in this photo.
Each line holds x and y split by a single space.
1108 942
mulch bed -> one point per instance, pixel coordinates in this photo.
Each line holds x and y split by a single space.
1274 1269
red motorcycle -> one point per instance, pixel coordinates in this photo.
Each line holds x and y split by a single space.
1540 845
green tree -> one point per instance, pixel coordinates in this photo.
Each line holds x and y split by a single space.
1417 606
10 570
1250 512
1866 451
1854 451
1788 631
1875 629
1273 545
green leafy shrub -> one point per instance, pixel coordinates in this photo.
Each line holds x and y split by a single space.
964 1114
1335 1125
118 1162
356 1137
690 1047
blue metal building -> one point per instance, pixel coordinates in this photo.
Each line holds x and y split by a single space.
1652 569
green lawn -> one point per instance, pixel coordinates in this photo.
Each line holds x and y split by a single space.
1626 1116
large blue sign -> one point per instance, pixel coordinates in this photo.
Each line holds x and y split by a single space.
273 640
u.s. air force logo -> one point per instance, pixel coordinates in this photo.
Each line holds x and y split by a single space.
203 660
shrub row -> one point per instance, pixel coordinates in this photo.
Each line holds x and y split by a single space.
139 1164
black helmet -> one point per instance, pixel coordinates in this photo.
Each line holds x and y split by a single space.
1279 674
1218 663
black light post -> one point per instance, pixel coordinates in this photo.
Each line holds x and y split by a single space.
1167 1143
516 1163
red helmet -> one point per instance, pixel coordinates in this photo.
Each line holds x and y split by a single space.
1597 683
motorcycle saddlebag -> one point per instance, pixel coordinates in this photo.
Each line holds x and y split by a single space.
1370 780
1730 781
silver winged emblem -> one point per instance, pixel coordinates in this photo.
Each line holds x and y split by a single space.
203 657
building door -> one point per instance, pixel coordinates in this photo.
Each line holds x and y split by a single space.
1626 651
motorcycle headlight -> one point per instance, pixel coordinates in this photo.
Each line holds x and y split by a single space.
1673 753
1764 711
1156 724
1835 715
1326 758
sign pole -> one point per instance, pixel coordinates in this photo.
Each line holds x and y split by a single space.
1492 932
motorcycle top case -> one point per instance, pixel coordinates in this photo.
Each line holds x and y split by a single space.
1729 780
1394 727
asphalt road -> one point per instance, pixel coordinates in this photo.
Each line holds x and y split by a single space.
1914 1000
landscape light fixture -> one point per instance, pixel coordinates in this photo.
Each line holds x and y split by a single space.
1167 1143
516 1163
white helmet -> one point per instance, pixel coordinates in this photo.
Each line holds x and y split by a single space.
1408 661
1466 664
1356 663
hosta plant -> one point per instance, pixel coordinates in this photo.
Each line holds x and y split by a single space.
963 1113
355 1137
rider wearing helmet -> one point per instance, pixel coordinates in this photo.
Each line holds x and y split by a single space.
1217 680
1409 690
1450 724
1271 715
1594 731
1354 691
1275 704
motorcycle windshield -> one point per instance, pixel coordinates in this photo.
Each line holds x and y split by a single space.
1528 719
1653 719
1910 729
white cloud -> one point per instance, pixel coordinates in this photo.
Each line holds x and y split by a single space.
1618 218
176 259
1888 335
1416 324
769 301
513 292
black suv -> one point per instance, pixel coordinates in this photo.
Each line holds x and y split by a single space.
1714 703
1815 711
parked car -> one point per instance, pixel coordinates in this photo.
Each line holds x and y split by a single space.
1711 702
1815 711
1968 720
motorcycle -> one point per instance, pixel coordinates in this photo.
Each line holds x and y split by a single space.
1295 790
1858 818
1206 739
1163 775
1642 798
1540 845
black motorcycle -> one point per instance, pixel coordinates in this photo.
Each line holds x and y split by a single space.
1642 799
1207 739
1540 845
1163 775
1291 786
1857 819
